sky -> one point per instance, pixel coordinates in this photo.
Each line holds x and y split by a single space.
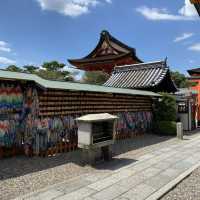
34 31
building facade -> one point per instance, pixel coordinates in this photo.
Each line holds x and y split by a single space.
195 79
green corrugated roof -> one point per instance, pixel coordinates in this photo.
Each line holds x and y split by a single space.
69 85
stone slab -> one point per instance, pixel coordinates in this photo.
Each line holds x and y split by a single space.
162 191
73 185
78 194
170 172
110 193
158 181
132 181
140 192
50 194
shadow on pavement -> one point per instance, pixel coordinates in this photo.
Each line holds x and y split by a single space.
21 165
115 163
193 132
123 146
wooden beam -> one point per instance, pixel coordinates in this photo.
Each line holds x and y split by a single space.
194 1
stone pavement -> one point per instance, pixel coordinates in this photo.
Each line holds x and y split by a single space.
146 178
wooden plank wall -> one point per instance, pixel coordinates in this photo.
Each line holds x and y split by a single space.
57 102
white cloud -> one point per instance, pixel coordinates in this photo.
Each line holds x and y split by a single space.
6 49
186 13
6 61
2 43
184 36
195 47
4 46
71 8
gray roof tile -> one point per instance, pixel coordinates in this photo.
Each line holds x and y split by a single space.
139 76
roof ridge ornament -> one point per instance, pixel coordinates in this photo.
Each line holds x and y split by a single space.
105 32
166 60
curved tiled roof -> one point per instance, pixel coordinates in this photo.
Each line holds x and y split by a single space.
141 76
112 42
193 71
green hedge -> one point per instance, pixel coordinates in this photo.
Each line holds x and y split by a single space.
165 108
165 127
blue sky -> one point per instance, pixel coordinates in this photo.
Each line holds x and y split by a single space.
34 31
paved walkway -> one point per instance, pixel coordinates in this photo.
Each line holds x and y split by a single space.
145 178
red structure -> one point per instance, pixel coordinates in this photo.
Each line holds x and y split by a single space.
108 54
195 78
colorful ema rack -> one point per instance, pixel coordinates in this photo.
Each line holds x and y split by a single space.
11 97
38 119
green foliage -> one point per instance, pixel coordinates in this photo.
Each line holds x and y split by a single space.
14 68
165 115
96 77
30 69
180 80
51 75
165 127
54 71
165 108
53 66
50 70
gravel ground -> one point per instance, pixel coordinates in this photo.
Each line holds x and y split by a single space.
21 175
188 189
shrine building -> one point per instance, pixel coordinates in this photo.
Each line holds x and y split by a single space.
125 68
108 53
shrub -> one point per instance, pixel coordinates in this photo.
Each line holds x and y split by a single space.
165 108
165 127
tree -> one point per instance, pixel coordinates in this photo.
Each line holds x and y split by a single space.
180 79
165 115
50 70
14 68
54 71
53 66
165 108
30 69
96 77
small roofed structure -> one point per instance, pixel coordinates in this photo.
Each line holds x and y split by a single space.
153 76
97 117
108 53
